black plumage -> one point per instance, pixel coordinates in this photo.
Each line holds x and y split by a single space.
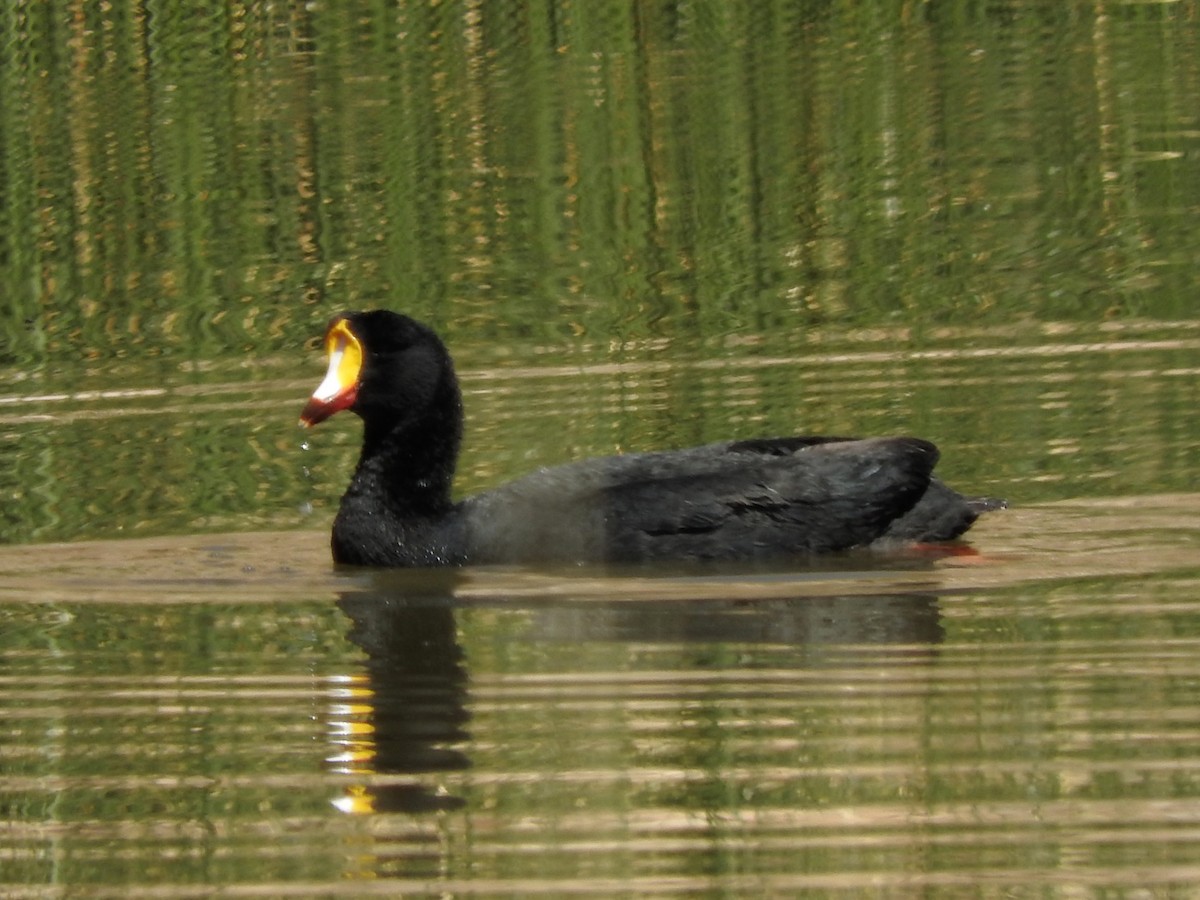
735 500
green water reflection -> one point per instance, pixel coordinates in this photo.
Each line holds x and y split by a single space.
1073 414
638 226
216 181
188 196
1030 735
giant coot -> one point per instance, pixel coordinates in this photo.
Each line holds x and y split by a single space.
734 500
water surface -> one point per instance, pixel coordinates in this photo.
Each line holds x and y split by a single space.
199 711
638 227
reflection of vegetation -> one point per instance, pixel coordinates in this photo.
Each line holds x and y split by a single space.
191 184
225 455
202 742
642 184
734 748
167 726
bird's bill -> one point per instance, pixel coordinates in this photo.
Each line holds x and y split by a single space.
340 388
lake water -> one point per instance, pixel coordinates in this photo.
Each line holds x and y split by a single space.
637 227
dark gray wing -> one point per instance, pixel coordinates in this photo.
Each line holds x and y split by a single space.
735 500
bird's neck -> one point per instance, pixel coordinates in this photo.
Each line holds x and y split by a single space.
407 467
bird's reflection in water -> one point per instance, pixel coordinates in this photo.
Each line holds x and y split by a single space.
808 625
405 712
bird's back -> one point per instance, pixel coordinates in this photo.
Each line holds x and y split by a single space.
733 500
